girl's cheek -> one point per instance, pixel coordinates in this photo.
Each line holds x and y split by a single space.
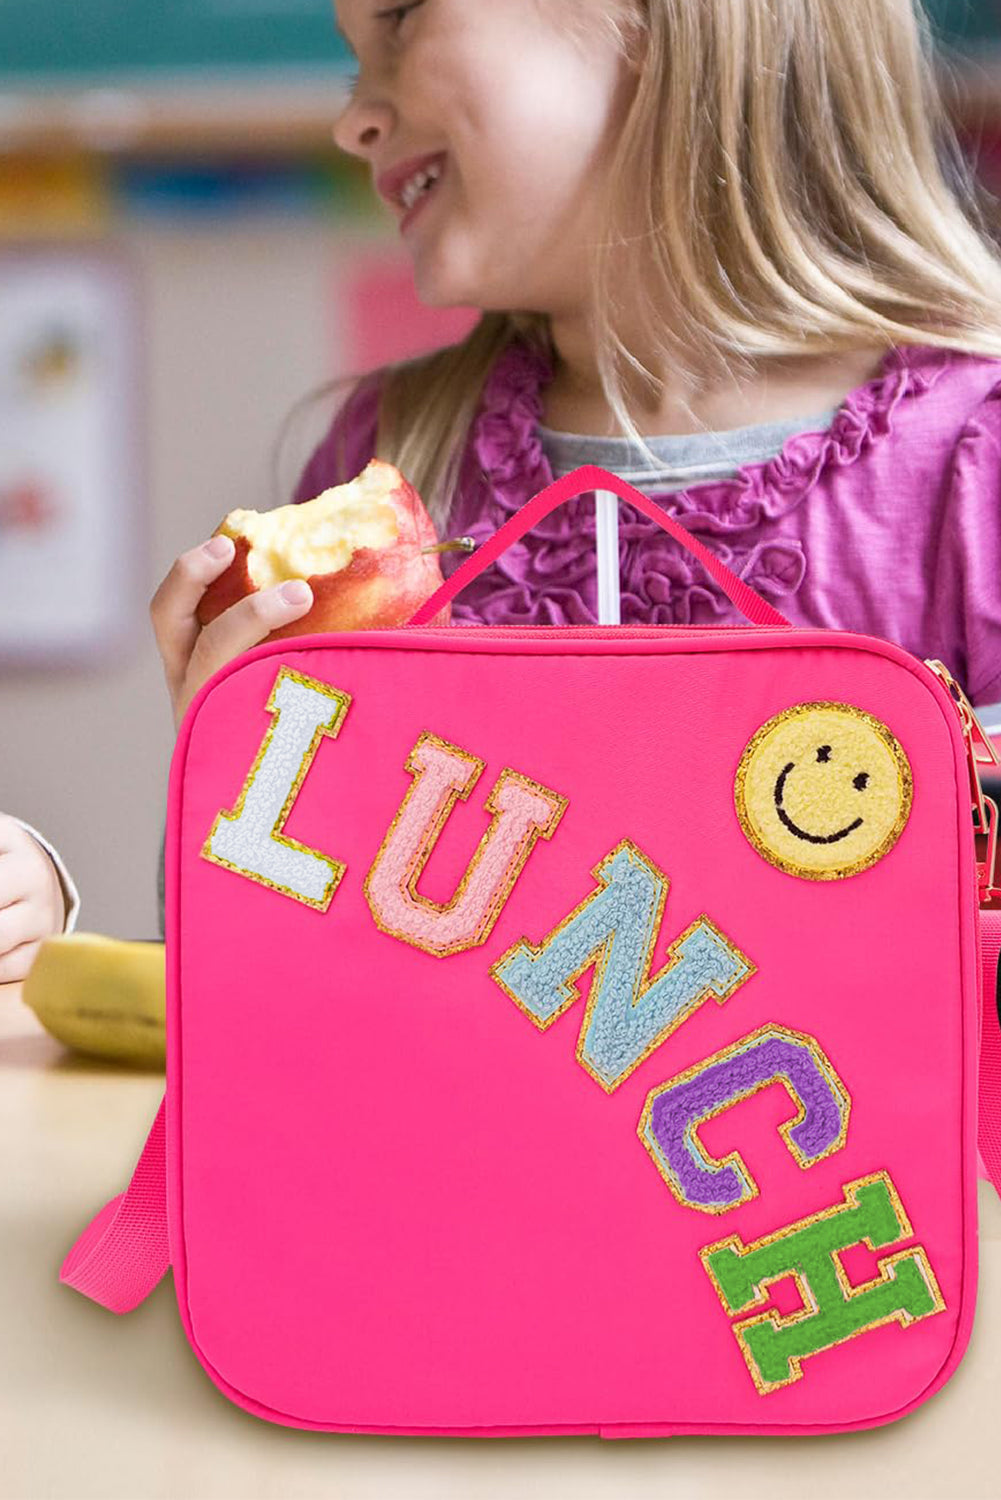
426 97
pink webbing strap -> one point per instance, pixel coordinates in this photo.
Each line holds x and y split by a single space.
579 481
989 1128
123 1253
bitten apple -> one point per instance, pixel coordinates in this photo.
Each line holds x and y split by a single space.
362 547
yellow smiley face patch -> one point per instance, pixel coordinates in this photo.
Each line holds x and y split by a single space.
823 790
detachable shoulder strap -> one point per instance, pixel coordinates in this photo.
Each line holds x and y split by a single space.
124 1252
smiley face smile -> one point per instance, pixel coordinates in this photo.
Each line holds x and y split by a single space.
801 833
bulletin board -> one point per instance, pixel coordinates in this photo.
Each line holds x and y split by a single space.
72 508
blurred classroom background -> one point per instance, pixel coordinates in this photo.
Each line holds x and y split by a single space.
184 258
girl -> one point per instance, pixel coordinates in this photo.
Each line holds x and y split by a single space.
729 249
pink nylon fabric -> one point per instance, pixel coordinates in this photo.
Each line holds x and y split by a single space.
119 1270
559 494
124 1251
408 1210
395 1204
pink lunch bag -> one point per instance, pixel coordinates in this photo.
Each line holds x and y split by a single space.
572 1030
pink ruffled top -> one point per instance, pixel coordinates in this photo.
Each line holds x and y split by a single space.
886 522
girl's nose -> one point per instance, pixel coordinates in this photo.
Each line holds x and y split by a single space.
361 126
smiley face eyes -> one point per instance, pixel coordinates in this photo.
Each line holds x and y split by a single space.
859 782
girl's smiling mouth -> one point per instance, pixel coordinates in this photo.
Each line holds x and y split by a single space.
427 187
801 833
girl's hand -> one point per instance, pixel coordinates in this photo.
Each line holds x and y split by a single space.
190 653
32 906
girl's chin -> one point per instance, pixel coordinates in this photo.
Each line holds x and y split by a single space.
438 285
433 291
445 277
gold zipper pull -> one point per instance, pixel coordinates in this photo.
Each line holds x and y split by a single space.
980 751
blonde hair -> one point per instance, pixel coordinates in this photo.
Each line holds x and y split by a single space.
787 182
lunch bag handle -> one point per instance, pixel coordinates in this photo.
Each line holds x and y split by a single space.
124 1252
578 481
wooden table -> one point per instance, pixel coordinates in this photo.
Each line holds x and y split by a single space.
96 1405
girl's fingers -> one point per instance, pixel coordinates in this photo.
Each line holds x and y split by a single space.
12 881
31 895
172 608
237 629
17 926
14 966
23 864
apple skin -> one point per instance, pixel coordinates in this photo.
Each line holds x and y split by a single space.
378 588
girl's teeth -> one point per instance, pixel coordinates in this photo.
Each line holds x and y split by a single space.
419 184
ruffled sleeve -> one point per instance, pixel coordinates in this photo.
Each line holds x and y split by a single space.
966 581
348 444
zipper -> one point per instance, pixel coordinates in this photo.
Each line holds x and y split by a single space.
603 632
980 751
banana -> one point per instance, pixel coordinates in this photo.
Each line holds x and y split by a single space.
102 996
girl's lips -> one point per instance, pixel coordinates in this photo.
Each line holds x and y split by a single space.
389 183
416 206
